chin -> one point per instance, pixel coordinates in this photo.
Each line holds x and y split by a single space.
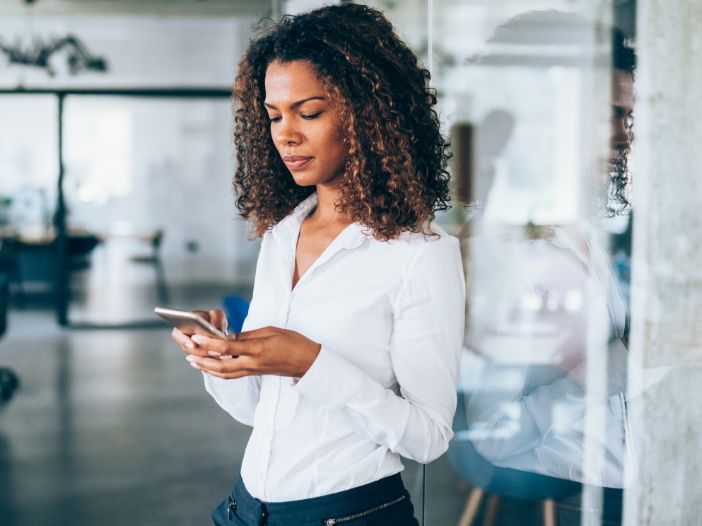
311 178
304 180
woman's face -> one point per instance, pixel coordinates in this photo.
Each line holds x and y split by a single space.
305 123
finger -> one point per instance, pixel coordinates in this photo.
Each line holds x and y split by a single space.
182 339
199 351
218 319
258 333
228 376
188 346
234 366
217 346
251 347
202 313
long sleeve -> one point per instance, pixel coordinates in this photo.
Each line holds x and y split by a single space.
425 348
542 428
238 397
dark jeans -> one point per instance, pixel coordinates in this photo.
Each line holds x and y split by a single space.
384 502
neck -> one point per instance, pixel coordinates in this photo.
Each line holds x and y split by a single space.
326 213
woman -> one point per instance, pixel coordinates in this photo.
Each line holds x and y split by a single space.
349 355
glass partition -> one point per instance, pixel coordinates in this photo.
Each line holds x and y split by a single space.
541 429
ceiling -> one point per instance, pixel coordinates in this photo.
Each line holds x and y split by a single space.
138 7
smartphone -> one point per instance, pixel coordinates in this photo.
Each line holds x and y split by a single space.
189 322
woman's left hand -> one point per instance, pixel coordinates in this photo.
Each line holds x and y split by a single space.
269 350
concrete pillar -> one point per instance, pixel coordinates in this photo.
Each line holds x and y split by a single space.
666 418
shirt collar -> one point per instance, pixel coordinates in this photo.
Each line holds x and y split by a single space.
287 229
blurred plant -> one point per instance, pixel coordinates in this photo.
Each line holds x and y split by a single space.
40 52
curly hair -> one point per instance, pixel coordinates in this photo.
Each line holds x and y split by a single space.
395 177
623 59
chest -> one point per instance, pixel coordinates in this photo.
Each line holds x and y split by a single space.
345 300
311 244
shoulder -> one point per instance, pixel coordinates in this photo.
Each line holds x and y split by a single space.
431 269
433 240
414 252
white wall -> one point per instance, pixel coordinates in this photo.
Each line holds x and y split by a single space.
149 162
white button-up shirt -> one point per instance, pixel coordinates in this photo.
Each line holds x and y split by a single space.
390 320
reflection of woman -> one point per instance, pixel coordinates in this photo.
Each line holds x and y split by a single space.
541 308
350 352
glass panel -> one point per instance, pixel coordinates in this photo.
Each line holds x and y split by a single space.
148 180
541 421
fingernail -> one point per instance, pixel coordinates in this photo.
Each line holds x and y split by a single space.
226 357
195 366
189 345
214 353
198 339
191 359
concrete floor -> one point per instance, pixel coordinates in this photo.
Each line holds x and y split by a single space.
112 427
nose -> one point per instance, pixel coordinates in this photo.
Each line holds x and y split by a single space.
620 135
287 133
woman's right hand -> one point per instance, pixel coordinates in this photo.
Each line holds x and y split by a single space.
184 340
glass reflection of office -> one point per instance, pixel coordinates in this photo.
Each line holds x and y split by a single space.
542 409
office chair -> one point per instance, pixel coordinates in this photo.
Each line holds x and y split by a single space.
154 258
11 267
8 379
235 308
496 482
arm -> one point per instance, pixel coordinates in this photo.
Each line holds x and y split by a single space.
425 351
544 429
237 396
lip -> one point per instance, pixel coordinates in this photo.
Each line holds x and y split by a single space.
296 162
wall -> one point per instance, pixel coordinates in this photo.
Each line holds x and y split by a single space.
666 351
173 159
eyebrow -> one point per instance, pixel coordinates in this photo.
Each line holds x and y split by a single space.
295 104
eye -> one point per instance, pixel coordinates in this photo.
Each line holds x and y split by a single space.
274 119
312 116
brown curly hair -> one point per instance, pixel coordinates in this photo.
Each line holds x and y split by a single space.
395 176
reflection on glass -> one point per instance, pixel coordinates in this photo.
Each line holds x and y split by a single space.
542 412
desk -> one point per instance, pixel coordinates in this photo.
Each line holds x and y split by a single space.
31 257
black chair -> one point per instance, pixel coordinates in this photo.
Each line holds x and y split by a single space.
154 258
12 269
8 379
